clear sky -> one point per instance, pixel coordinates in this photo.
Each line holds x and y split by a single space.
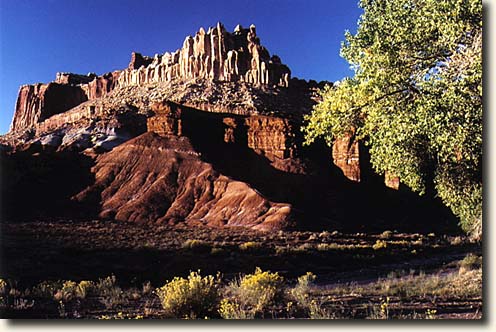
40 38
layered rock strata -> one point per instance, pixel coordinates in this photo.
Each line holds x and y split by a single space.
167 119
215 55
157 179
269 136
38 102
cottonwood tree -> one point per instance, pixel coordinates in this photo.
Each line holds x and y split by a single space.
415 98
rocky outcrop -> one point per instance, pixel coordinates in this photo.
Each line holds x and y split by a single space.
162 179
346 155
391 181
271 137
167 119
38 102
215 55
101 85
74 79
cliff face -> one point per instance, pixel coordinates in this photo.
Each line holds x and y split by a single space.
38 102
207 134
346 156
215 55
268 136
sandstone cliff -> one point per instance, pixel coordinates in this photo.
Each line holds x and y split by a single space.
213 136
216 55
38 102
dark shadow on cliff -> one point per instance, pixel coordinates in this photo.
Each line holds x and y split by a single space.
322 198
37 184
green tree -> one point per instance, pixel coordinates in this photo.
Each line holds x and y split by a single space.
415 98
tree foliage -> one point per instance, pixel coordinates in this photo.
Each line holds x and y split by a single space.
415 98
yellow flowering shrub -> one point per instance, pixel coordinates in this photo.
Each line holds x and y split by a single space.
83 288
379 244
191 297
251 294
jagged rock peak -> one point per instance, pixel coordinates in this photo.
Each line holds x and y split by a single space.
216 55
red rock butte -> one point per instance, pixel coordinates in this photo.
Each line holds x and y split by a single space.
207 134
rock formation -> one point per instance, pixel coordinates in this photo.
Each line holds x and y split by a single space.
272 137
207 134
157 179
38 102
216 55
346 155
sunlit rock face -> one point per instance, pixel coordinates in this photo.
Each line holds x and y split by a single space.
38 102
214 54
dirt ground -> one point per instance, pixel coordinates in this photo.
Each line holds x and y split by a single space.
33 252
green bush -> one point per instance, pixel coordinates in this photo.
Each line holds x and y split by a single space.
194 297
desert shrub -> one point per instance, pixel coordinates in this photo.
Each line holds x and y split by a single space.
84 288
3 287
192 297
47 289
380 311
216 251
67 292
386 235
110 293
233 310
470 262
3 292
196 245
301 294
282 250
379 244
147 288
249 246
251 294
103 285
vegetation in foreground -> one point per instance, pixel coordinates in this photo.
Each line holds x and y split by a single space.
259 295
415 98
99 269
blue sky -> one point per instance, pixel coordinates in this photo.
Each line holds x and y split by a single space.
40 38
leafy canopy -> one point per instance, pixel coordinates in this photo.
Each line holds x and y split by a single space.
415 98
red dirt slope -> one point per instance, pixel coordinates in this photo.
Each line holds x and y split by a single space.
162 179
